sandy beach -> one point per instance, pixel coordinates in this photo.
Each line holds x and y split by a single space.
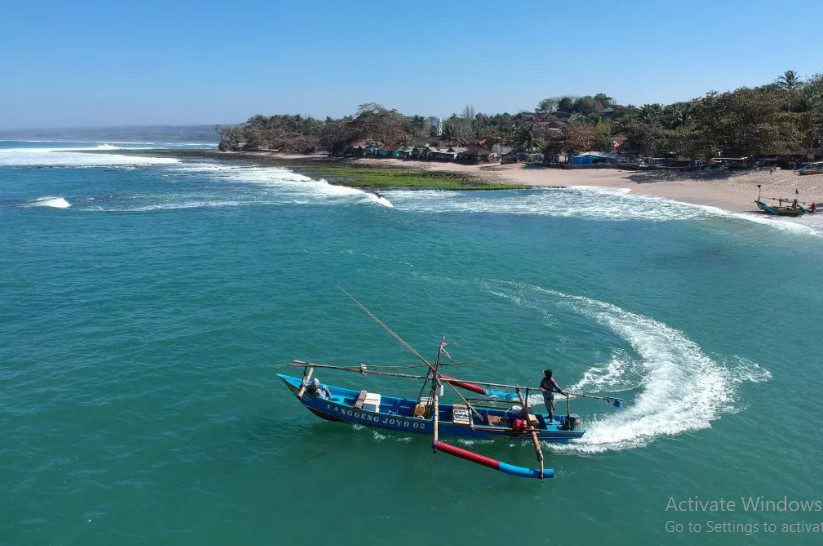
734 191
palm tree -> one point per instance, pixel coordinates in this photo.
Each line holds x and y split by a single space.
527 139
789 80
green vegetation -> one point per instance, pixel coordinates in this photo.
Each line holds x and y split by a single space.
338 172
783 118
375 177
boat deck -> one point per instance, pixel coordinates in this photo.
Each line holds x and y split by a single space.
397 413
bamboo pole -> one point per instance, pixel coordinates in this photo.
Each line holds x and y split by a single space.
358 369
537 449
386 328
436 410
305 383
435 396
594 397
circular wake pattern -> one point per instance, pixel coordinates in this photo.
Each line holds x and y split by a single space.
680 388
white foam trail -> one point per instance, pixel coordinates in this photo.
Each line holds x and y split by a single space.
74 157
680 387
621 373
51 202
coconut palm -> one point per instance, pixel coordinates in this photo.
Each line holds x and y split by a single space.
789 80
527 139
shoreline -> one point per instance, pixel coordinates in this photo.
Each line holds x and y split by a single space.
732 191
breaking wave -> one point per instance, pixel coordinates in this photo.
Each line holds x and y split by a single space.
291 187
678 387
74 157
588 202
51 202
579 202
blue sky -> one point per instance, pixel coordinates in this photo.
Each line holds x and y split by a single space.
124 62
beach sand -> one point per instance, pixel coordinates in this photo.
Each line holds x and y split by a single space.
734 191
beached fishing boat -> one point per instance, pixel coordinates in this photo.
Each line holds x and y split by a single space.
811 168
502 411
792 210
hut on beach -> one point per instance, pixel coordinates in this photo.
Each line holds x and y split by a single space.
590 159
478 154
443 154
404 152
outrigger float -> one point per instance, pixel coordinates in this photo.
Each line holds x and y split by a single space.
492 416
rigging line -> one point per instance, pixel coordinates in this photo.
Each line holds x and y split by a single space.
391 366
386 328
423 386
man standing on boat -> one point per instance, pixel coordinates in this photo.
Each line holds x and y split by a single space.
549 386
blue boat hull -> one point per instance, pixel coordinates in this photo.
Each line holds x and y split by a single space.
397 414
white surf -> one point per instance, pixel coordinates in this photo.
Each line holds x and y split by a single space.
48 201
74 157
679 388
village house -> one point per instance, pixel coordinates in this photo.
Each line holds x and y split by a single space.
591 159
403 152
443 154
478 154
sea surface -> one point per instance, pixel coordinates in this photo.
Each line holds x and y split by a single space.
146 305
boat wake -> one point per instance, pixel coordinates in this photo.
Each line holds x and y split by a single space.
679 388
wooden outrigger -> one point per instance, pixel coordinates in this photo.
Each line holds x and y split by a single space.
492 416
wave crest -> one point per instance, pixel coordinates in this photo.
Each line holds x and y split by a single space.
48 201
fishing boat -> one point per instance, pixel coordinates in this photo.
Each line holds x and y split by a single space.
811 168
793 208
501 411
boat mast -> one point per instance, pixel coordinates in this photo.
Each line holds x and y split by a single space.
437 376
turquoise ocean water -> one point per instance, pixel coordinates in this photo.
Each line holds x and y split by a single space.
146 303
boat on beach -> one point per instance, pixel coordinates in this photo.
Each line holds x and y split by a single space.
811 168
500 411
792 208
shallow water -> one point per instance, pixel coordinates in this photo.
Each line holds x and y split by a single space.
147 302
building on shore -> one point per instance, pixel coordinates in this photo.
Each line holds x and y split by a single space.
478 154
451 153
591 159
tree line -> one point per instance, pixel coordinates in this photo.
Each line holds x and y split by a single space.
780 118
